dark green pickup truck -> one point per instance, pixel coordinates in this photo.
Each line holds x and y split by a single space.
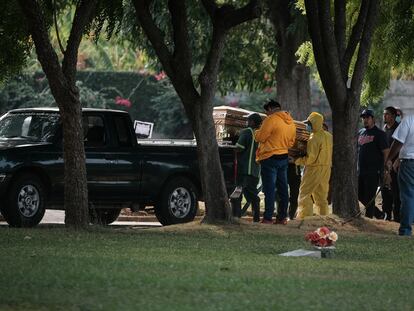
121 171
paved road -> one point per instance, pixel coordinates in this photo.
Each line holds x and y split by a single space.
58 217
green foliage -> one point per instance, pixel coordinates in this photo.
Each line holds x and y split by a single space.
14 40
392 48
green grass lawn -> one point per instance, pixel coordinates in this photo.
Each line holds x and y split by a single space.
200 268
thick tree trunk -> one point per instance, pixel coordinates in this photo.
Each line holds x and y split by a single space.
212 180
76 191
62 81
293 87
292 78
344 174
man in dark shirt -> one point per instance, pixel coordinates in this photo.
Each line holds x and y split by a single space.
248 170
390 195
372 150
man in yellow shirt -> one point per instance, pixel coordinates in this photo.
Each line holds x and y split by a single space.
276 135
317 162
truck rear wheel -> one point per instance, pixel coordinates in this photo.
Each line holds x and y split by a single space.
103 216
178 202
25 206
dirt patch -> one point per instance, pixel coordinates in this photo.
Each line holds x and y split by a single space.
358 226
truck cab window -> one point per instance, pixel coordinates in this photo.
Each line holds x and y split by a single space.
94 131
123 132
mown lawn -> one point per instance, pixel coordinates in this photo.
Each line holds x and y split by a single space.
200 268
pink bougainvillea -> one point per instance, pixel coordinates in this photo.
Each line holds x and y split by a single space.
160 76
123 101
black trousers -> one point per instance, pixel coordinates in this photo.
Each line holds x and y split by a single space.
367 189
294 178
391 199
251 193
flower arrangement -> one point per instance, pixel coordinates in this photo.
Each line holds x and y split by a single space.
322 237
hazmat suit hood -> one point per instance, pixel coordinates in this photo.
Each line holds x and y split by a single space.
316 119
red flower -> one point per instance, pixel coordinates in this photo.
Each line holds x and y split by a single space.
160 76
123 102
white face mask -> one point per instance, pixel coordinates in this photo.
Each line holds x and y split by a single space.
398 119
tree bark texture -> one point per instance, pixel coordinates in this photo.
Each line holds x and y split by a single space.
198 104
333 58
62 85
292 78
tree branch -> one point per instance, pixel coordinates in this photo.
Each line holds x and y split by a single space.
364 47
355 36
45 52
340 28
57 29
83 16
210 6
280 18
182 52
154 35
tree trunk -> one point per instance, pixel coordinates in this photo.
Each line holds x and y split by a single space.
334 56
76 191
217 203
292 78
61 78
344 174
293 87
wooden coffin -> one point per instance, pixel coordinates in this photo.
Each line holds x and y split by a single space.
230 120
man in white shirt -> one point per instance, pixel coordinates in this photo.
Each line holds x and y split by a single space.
404 144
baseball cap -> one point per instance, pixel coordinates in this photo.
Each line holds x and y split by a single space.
367 113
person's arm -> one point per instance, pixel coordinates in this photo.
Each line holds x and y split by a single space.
385 153
312 152
241 144
263 133
393 153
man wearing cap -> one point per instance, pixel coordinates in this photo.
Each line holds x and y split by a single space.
318 163
404 146
276 135
248 170
372 152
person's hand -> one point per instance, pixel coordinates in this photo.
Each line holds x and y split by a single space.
387 179
396 165
388 166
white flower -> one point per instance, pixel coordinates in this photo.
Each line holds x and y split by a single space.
321 233
333 236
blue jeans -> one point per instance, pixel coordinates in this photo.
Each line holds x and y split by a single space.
406 181
274 178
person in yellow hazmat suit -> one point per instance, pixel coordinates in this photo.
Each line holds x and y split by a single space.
317 171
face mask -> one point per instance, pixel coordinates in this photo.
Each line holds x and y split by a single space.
309 127
398 119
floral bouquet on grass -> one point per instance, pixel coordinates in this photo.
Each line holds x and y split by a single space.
322 237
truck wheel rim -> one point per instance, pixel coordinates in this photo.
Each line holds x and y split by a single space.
180 202
28 201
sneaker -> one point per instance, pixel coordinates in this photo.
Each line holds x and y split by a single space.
281 221
266 221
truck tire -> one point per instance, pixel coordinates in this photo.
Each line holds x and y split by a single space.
103 216
178 202
26 202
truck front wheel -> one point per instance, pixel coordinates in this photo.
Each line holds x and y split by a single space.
25 206
178 202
